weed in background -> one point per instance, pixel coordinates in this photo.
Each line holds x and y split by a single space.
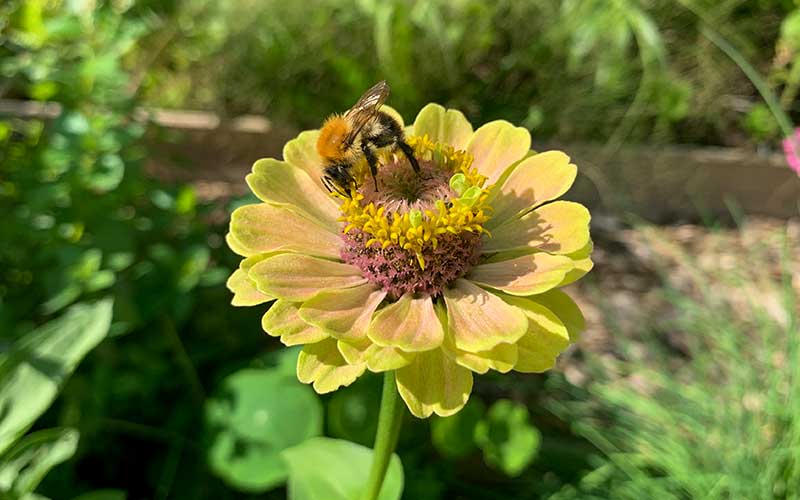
719 420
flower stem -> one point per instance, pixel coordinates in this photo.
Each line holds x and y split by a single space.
389 421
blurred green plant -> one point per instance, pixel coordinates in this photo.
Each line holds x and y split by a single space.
32 370
82 221
454 437
570 57
333 469
721 422
631 70
508 440
258 414
79 219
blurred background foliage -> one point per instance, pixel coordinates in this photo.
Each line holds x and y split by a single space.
184 398
578 69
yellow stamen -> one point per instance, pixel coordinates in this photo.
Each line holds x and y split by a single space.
413 231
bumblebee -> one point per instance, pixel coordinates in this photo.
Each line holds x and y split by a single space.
359 132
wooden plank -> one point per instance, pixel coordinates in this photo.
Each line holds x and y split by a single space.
667 183
658 183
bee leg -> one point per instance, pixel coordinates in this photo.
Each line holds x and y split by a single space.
328 183
335 178
408 151
372 161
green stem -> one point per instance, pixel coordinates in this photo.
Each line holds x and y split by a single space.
755 78
185 363
389 421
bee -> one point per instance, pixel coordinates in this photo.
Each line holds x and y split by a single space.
359 132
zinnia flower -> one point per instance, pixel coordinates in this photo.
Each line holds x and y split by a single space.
437 276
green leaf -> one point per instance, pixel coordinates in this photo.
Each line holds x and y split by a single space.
24 466
453 437
760 123
790 30
103 495
100 280
246 465
108 173
185 200
509 442
62 298
35 368
333 469
258 414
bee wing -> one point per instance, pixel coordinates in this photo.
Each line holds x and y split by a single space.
366 107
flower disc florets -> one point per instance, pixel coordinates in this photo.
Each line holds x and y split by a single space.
418 231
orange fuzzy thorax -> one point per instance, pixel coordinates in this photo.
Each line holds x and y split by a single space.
330 142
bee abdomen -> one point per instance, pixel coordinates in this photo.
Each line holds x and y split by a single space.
385 131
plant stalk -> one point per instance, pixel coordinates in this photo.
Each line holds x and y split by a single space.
389 420
772 101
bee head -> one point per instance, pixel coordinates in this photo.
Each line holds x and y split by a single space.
330 144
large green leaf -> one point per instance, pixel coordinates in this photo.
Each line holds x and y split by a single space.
36 366
257 414
333 469
27 462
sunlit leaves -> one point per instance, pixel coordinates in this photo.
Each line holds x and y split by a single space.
25 464
508 440
332 469
32 372
256 414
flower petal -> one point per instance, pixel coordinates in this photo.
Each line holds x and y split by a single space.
479 320
434 383
409 324
237 247
496 145
322 364
581 262
345 314
378 358
538 179
568 312
546 338
302 153
501 357
300 277
353 351
448 126
282 320
560 227
526 275
382 359
243 287
283 185
262 228
244 291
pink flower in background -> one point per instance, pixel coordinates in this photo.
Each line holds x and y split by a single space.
791 145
